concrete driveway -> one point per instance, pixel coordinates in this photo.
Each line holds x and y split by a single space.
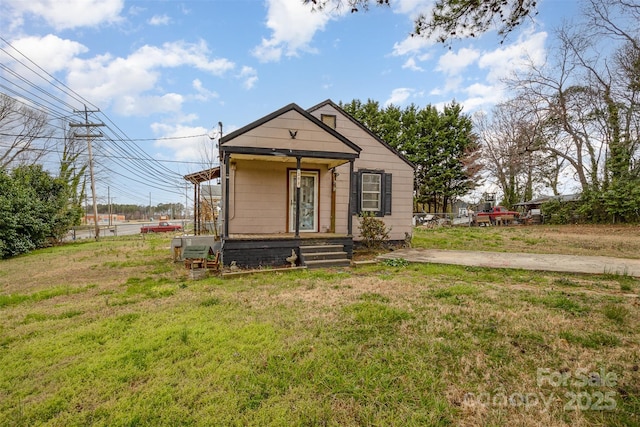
539 262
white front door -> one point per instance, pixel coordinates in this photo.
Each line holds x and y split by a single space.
308 201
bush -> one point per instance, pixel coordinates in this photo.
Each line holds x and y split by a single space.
373 230
557 212
34 210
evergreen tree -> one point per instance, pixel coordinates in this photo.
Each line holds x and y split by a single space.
441 145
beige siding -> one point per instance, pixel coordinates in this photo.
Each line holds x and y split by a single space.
258 201
374 155
275 134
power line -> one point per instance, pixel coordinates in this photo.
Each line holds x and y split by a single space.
32 85
103 155
120 149
68 90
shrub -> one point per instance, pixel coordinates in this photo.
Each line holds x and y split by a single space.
373 230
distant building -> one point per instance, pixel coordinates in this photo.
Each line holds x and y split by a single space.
104 219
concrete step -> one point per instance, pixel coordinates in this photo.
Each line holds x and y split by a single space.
321 248
324 256
328 263
314 256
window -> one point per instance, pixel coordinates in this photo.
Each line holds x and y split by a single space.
328 120
371 192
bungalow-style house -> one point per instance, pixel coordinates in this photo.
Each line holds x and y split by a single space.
295 182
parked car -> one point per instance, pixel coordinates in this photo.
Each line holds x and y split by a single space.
162 227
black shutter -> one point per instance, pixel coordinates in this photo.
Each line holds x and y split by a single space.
386 198
355 194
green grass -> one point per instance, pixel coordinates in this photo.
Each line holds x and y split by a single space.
376 345
616 312
591 340
14 299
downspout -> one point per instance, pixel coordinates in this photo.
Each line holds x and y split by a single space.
334 178
350 216
298 179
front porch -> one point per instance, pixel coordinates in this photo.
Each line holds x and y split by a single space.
257 250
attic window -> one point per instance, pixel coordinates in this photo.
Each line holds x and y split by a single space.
329 120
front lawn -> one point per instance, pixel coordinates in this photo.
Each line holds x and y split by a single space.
113 333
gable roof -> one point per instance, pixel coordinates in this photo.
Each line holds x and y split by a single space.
363 127
283 110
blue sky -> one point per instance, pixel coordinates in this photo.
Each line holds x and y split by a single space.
162 72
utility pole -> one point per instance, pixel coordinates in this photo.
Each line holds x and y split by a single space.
89 136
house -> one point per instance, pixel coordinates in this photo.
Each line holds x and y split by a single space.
297 180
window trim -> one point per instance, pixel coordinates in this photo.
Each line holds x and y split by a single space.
386 192
378 200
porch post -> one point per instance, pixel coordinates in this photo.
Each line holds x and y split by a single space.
349 214
298 178
225 230
196 200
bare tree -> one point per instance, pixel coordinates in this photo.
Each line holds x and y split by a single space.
613 77
568 110
617 19
25 133
507 136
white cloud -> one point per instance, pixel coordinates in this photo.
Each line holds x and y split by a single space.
477 102
293 26
497 64
413 7
502 62
66 14
250 77
179 54
145 105
411 65
454 63
184 148
50 52
411 45
479 89
136 10
399 96
105 79
203 94
160 20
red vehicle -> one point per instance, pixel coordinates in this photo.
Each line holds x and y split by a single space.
162 227
498 211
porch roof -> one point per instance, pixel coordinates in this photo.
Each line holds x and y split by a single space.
203 176
286 155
